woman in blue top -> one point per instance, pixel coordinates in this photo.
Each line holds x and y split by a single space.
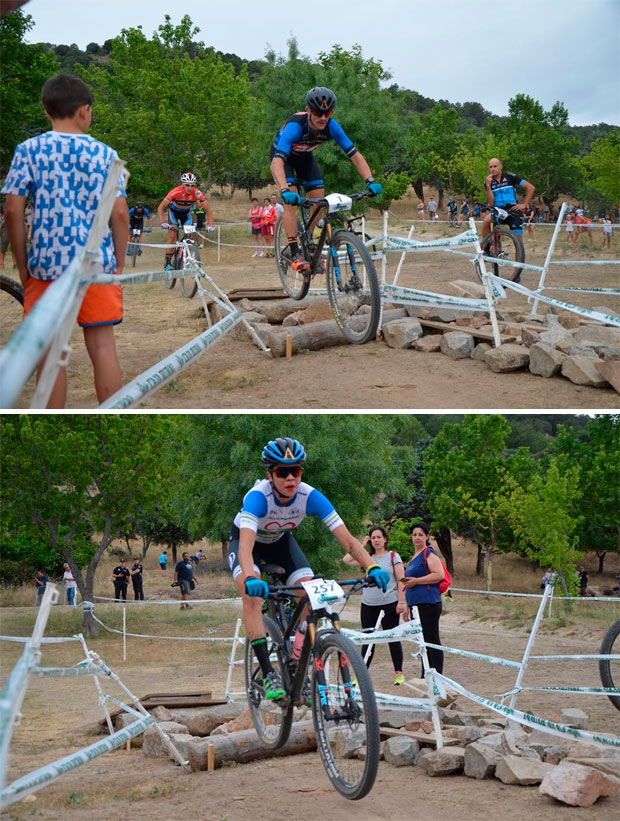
422 590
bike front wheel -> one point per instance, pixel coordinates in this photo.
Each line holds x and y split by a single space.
345 716
189 286
272 719
608 669
504 244
294 283
353 287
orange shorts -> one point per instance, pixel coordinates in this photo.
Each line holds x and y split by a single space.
102 304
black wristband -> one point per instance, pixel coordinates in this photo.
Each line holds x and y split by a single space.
247 578
282 190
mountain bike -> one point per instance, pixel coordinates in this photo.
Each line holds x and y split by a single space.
133 246
608 668
502 244
185 250
12 307
344 709
351 278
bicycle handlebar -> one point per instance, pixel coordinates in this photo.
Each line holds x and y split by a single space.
323 201
278 591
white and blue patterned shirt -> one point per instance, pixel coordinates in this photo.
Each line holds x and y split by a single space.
269 519
64 175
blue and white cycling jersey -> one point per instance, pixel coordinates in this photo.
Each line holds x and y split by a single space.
64 175
296 137
505 190
269 519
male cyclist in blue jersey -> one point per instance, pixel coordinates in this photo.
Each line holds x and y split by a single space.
262 533
501 188
292 160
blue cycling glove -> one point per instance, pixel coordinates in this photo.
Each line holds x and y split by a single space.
257 587
379 577
373 188
290 197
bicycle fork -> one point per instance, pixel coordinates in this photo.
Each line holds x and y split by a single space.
350 706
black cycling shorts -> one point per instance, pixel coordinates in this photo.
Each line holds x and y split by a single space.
285 552
304 169
514 220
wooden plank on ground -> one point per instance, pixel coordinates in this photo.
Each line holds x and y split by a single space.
445 327
172 701
426 738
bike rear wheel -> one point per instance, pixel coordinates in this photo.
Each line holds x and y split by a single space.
11 310
134 254
352 282
272 719
189 287
507 246
294 283
610 670
345 718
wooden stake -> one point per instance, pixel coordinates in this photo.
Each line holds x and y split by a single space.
289 346
210 758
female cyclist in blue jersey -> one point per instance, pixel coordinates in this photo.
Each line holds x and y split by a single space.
292 160
262 533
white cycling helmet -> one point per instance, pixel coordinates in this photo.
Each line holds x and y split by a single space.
188 179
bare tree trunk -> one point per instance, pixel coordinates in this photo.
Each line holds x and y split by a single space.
443 537
601 560
418 187
173 548
480 561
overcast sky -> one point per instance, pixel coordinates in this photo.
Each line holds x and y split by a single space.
567 50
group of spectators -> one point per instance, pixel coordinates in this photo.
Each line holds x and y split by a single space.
263 220
578 223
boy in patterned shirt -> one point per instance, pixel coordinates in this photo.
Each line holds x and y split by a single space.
63 173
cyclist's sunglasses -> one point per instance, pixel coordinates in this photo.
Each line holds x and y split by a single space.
283 471
321 112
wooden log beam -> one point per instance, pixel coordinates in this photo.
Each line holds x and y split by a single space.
317 335
245 746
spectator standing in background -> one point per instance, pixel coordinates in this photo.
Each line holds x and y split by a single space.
163 561
607 230
40 583
184 577
432 209
70 584
420 209
254 215
570 228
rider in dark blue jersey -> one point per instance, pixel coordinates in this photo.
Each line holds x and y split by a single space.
292 160
501 187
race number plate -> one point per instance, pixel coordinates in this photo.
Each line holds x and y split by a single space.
322 593
338 202
136 231
189 229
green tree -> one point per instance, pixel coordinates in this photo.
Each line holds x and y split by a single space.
541 514
464 469
348 461
539 146
601 166
25 67
62 473
170 105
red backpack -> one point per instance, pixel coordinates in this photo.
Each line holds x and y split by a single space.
444 584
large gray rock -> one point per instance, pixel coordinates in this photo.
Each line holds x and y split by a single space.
508 357
123 720
541 741
513 769
398 718
402 332
555 336
153 744
583 371
577 785
573 717
445 761
582 350
608 354
180 741
482 757
447 314
545 360
609 766
605 309
463 287
457 345
529 337
480 351
401 751
599 335
466 735
344 743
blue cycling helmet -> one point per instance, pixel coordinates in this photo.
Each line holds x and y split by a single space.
283 451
